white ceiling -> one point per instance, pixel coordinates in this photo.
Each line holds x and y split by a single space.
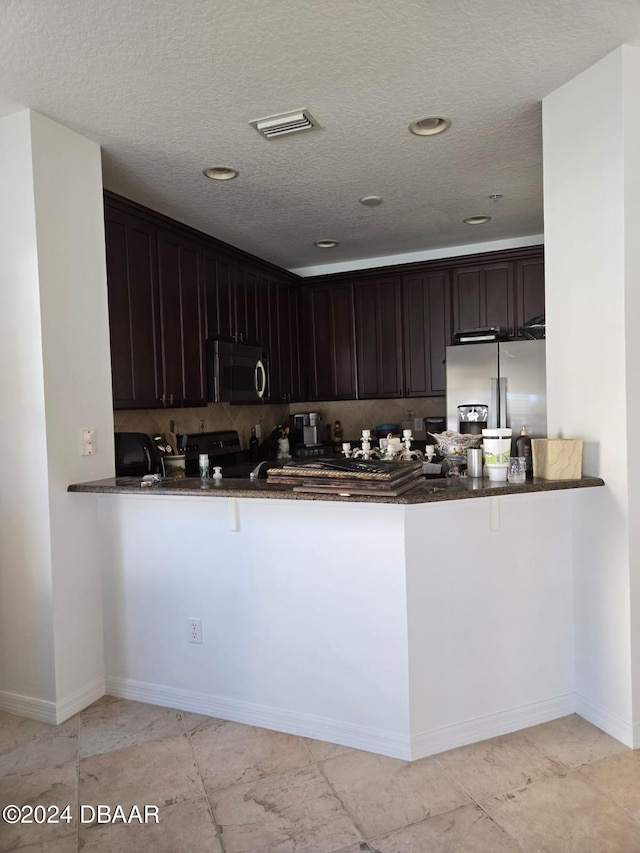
167 88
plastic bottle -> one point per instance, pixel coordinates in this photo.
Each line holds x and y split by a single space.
253 446
203 464
337 437
523 448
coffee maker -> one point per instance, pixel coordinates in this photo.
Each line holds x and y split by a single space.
306 430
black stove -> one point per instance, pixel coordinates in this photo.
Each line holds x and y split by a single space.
223 448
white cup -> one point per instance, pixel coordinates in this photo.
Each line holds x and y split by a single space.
496 449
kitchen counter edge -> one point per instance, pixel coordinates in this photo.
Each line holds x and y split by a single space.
427 491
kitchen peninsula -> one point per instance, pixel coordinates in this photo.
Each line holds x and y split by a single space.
404 626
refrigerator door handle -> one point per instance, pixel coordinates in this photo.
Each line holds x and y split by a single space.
494 405
503 401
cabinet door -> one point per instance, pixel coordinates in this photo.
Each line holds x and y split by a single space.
378 315
181 320
484 296
529 290
218 280
427 332
133 311
331 342
246 302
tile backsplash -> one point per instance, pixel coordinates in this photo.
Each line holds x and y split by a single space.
353 414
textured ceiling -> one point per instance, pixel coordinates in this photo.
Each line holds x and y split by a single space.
167 88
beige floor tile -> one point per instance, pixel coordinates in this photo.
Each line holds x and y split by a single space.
618 778
29 745
160 772
118 723
186 826
232 753
196 722
68 844
281 814
50 786
565 814
383 794
321 750
464 830
497 765
573 741
361 847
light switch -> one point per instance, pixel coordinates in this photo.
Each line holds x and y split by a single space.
88 442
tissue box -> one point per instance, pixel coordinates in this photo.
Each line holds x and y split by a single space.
557 458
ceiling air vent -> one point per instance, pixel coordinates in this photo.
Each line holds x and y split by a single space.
281 125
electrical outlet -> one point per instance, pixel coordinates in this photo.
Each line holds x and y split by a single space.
195 630
88 444
418 424
258 429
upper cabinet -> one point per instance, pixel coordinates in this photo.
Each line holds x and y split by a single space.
378 316
505 293
427 331
155 311
330 342
484 295
170 288
134 312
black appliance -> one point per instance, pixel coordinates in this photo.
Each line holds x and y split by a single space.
483 334
223 449
535 329
136 455
236 372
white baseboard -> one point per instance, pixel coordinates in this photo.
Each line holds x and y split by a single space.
491 725
28 706
393 744
620 729
80 700
53 713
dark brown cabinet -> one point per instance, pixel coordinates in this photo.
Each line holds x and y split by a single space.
285 361
484 295
529 290
181 310
330 342
378 321
427 332
134 315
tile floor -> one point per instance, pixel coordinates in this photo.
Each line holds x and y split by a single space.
221 787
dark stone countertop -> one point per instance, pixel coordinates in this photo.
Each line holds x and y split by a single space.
427 491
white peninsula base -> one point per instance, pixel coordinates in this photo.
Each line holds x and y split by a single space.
404 630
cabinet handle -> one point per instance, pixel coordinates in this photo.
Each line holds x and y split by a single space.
163 400
241 338
171 399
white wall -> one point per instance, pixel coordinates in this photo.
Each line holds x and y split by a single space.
303 613
490 617
26 621
591 162
56 381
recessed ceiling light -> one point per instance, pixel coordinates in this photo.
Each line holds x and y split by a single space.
477 220
221 173
325 244
370 200
430 125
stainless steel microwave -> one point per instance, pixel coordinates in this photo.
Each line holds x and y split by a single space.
236 373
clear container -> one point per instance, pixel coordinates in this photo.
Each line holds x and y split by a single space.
517 469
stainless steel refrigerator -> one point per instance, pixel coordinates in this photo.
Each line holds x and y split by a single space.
510 378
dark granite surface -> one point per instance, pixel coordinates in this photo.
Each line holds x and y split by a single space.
427 491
